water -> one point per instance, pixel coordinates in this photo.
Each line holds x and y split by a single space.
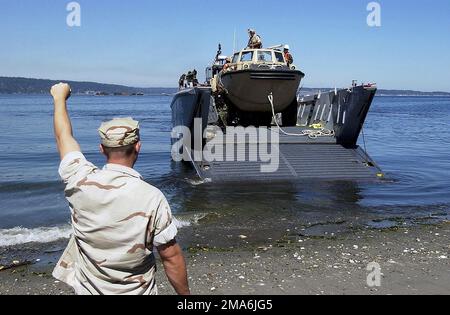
407 136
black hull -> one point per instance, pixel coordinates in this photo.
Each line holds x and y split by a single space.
248 89
187 105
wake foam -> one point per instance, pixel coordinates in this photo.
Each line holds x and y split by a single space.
198 182
179 223
19 235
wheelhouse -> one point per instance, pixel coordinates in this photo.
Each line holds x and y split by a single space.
259 56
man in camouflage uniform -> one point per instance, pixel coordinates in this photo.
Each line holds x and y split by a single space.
194 78
288 56
189 79
181 81
255 41
117 218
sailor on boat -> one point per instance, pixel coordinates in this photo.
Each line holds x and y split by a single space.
288 55
255 41
182 81
227 64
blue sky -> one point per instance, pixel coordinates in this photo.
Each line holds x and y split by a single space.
151 42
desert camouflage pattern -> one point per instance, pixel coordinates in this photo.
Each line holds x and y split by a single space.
119 132
117 220
255 42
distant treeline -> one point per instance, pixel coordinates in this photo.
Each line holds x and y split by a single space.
383 92
39 86
410 93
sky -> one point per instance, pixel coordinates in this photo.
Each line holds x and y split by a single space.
149 43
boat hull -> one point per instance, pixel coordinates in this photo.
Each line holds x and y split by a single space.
248 90
188 105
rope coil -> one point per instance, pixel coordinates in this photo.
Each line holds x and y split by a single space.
312 134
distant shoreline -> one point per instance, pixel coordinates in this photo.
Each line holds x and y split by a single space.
165 94
24 86
413 95
29 86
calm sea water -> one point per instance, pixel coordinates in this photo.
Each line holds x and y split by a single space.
409 137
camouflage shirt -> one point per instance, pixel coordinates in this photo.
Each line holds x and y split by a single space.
117 220
255 42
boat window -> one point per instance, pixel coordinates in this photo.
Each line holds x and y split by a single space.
247 56
235 58
279 57
264 56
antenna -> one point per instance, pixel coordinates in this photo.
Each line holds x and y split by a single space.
234 41
219 52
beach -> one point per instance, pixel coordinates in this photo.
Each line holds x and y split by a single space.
413 260
244 238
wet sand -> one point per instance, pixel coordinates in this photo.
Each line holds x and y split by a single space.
413 260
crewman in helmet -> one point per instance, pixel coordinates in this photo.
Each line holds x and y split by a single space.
194 78
182 81
288 56
227 64
189 79
255 41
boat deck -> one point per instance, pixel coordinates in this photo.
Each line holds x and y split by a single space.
294 139
300 158
297 158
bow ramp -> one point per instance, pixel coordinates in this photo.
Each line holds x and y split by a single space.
323 144
294 158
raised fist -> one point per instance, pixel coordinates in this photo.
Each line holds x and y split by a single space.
60 92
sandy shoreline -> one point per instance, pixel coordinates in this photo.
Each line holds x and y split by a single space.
413 260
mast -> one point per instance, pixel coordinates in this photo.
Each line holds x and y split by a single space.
234 41
219 52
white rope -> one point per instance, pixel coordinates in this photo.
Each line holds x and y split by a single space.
312 134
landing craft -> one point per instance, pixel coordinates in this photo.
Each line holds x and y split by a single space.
316 135
243 85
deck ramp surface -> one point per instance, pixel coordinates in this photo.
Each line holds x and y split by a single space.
296 162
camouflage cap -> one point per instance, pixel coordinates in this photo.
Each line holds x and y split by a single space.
119 132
